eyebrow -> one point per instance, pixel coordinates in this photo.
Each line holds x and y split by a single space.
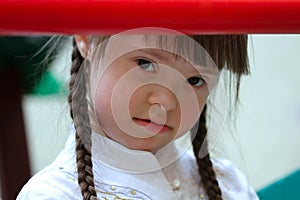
162 57
155 54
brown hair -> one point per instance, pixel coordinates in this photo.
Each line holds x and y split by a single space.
228 52
78 106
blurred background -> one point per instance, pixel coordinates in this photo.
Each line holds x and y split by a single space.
264 143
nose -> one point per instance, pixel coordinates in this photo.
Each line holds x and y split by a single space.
164 97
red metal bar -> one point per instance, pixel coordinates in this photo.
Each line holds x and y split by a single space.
112 16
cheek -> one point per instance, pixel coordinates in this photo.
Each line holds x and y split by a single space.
136 101
190 113
102 99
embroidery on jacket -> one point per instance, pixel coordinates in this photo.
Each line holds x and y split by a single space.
114 192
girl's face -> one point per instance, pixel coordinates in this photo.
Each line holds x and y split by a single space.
146 97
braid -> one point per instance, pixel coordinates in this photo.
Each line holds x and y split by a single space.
79 114
205 167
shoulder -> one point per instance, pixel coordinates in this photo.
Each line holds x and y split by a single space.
232 181
51 183
56 181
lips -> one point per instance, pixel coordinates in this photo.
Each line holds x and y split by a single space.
152 126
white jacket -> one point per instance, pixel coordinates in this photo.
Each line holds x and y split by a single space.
126 174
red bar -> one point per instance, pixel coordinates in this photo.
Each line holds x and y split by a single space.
22 17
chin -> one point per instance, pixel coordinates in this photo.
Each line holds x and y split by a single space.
151 144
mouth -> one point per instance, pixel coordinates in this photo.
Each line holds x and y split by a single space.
152 126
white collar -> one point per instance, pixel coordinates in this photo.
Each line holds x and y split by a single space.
119 157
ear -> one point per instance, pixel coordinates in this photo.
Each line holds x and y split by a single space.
82 44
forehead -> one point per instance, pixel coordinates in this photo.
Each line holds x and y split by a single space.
177 47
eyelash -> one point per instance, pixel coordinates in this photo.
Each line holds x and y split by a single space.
200 80
146 62
142 62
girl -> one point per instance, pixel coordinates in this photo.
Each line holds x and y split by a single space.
131 96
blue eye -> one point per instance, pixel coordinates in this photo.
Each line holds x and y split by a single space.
196 81
146 65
